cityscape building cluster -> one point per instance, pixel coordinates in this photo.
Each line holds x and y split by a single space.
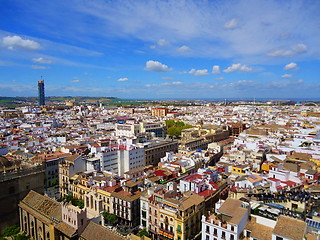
87 171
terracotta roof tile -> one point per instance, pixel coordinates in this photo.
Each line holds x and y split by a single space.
95 231
290 228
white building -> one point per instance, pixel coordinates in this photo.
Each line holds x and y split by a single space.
227 223
127 129
121 159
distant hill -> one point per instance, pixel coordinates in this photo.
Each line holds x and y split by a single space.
22 101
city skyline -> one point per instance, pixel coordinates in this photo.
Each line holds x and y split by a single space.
160 49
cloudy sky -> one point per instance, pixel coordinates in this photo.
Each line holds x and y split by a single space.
161 49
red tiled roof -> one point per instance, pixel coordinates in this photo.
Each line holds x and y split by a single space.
206 193
193 177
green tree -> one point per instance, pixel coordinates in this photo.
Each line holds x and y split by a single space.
143 232
179 124
174 131
110 218
21 237
74 201
10 231
170 123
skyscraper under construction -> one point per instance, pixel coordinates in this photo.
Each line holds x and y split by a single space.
41 93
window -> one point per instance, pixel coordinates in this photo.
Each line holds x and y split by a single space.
223 235
232 228
207 237
279 238
231 237
215 232
207 229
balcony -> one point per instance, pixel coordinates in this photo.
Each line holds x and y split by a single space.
166 233
217 221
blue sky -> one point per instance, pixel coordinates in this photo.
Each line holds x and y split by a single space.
161 49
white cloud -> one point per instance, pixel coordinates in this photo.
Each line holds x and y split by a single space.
171 83
164 84
183 49
162 42
280 53
219 78
296 49
242 84
156 66
42 60
286 76
75 81
39 67
198 25
300 48
291 66
232 24
216 69
122 79
201 72
13 42
238 67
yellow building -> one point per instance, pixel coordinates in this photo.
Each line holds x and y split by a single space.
80 187
240 169
174 217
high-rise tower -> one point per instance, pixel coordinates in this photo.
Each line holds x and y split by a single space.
41 93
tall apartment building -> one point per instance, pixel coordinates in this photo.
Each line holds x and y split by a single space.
121 158
126 203
41 96
51 163
68 167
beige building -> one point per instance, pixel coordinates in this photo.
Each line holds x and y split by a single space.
67 169
42 218
174 217
159 112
